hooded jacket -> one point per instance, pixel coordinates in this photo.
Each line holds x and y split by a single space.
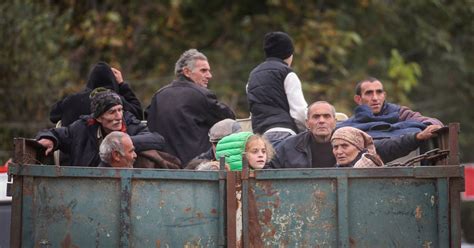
79 140
73 106
232 147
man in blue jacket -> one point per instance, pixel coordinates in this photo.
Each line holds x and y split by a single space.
380 118
313 149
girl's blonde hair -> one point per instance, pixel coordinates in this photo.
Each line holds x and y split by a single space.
269 148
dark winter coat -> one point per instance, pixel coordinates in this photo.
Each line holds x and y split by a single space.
266 96
80 141
73 106
295 152
183 112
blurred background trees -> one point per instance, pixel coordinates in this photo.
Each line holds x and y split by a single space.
421 50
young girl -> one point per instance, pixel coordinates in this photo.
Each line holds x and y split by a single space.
256 148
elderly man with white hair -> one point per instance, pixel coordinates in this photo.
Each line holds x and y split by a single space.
117 150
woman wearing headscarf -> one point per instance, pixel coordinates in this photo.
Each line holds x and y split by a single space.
354 148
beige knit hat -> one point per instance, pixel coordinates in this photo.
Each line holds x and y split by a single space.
356 137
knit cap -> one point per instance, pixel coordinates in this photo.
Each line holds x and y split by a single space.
222 129
103 99
278 45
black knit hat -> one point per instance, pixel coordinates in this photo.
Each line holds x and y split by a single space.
278 45
103 99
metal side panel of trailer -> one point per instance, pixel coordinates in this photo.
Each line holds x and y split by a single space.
378 207
100 207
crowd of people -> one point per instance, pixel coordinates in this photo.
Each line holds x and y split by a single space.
188 128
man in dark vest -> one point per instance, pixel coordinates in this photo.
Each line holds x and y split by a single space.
274 93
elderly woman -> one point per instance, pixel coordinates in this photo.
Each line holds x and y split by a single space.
354 148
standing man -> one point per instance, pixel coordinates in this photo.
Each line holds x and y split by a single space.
313 149
73 106
117 150
380 118
184 110
274 93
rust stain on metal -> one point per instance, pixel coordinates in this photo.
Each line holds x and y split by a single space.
418 213
162 203
213 211
268 188
352 242
187 210
267 216
328 227
158 244
199 215
67 242
319 195
427 244
68 214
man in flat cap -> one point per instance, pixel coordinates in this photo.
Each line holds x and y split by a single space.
216 133
81 139
274 93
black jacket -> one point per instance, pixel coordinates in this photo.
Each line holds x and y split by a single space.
73 106
80 141
184 112
295 152
266 96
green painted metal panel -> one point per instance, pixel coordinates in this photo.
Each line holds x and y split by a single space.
175 213
381 207
68 212
387 212
99 207
296 213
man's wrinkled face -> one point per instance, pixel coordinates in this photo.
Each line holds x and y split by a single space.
201 74
129 156
111 120
344 152
321 121
372 95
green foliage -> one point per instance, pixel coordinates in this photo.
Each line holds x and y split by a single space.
403 77
419 49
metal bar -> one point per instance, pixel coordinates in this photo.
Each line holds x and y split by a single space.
456 186
394 172
16 211
231 210
443 210
245 202
28 208
453 144
222 195
90 172
125 205
342 212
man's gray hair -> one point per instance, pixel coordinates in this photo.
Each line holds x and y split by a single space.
188 59
333 109
112 142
